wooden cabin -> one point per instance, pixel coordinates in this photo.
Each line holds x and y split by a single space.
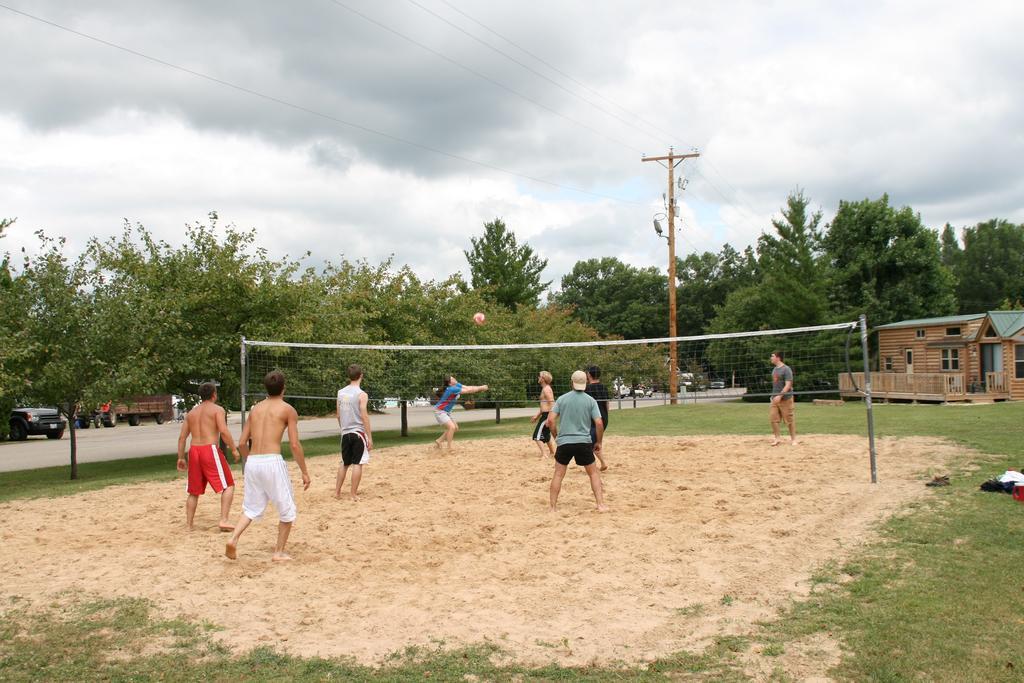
978 358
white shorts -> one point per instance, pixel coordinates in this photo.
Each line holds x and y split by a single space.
442 417
267 481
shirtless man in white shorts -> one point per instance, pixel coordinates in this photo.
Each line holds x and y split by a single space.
266 473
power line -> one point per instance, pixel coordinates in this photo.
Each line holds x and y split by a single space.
525 66
482 76
313 112
558 71
638 117
496 83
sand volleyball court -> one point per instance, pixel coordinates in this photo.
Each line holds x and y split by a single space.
705 536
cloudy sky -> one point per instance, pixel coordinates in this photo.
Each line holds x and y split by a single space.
362 129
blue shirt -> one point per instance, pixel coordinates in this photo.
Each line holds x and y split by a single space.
448 398
575 410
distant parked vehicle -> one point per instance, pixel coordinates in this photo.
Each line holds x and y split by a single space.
620 389
642 391
693 382
717 384
26 422
160 407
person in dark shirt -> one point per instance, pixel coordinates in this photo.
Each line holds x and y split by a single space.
599 393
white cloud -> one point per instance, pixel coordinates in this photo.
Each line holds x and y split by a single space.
918 100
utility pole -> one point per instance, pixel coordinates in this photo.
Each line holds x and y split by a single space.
670 162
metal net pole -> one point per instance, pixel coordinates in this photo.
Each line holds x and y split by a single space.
244 381
867 398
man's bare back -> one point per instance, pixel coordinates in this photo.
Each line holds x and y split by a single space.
266 425
206 423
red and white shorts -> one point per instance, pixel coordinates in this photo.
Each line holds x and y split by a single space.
206 464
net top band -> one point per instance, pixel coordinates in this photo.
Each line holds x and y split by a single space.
553 345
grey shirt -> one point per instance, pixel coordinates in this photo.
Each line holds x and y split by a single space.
350 415
780 376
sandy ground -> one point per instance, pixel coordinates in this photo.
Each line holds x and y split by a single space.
705 536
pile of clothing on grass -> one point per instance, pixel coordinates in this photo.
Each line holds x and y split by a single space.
1004 483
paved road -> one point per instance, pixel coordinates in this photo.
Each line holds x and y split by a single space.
124 441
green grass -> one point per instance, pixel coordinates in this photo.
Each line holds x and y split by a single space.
939 597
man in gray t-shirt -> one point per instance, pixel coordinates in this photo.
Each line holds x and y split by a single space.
575 412
782 399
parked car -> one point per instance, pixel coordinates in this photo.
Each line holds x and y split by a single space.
693 382
642 391
717 384
26 422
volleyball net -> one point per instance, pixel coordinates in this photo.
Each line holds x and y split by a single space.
715 366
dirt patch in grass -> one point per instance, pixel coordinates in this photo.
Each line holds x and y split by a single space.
806 660
706 536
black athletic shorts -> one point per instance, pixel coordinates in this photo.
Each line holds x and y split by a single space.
540 430
353 449
582 452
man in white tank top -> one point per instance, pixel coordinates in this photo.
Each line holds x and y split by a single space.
356 438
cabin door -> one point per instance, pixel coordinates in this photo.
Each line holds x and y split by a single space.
991 361
909 353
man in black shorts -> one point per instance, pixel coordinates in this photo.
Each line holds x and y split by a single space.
576 411
599 393
356 437
541 433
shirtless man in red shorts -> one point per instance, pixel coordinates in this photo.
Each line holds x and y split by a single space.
206 463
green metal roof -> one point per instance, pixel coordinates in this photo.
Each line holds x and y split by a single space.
1007 323
923 322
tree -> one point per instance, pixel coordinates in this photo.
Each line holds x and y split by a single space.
885 263
211 291
617 299
705 281
991 268
791 285
507 273
81 342
9 321
952 254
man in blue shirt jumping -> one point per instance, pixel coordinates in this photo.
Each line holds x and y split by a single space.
448 395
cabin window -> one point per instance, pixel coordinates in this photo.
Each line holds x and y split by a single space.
919 334
950 359
888 362
952 331
1019 361
990 332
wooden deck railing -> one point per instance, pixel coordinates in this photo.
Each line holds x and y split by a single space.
926 386
995 382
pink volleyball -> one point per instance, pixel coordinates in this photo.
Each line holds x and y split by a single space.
479 318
